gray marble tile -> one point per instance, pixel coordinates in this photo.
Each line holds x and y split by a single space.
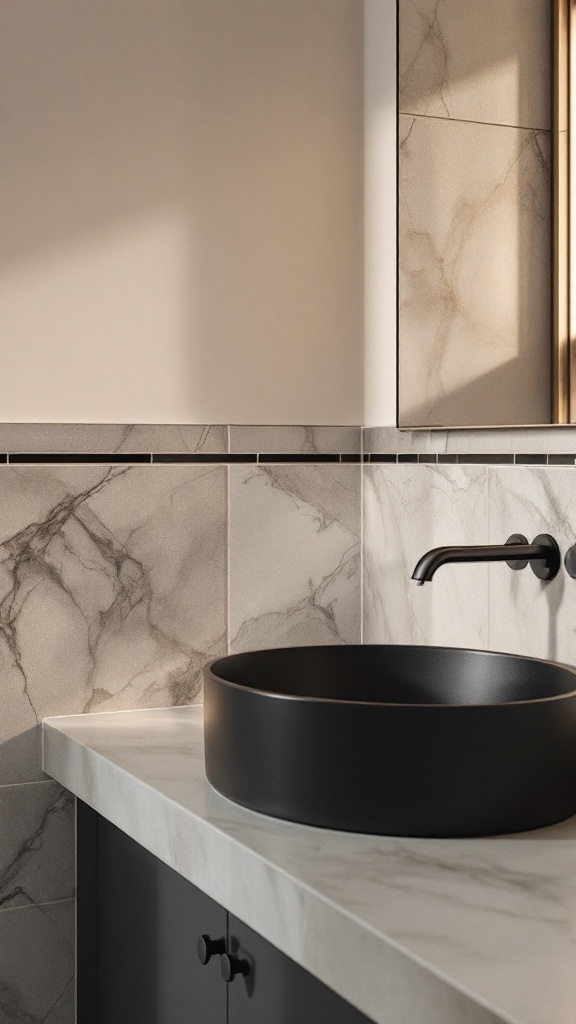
536 439
178 438
474 222
307 440
390 439
409 509
36 844
528 616
294 555
543 439
488 61
104 438
37 964
112 592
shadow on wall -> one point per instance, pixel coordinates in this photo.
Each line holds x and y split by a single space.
475 212
489 61
555 598
182 195
491 395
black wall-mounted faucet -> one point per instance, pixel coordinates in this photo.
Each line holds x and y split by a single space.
543 555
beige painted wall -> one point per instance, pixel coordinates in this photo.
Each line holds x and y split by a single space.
380 213
181 204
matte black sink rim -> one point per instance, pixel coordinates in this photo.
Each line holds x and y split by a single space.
493 751
212 666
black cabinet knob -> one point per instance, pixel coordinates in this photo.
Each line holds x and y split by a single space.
230 966
207 948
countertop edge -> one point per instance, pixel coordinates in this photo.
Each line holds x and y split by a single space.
384 982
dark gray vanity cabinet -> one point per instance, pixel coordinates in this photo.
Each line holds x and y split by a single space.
149 919
278 991
138 928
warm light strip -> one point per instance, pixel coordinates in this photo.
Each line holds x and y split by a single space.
563 402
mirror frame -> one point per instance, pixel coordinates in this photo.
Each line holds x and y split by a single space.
563 337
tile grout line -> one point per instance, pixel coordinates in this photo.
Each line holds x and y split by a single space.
33 782
32 905
467 120
361 536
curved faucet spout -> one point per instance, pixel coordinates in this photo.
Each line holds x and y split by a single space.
543 555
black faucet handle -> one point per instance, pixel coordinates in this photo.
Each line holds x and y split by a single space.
517 563
570 561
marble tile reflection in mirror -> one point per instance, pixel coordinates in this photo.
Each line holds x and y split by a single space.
475 212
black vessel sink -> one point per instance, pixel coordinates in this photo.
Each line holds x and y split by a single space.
412 741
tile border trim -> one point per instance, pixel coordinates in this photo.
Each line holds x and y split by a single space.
461 459
266 458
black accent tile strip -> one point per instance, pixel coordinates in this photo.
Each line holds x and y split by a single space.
298 457
225 458
108 459
486 460
189 458
531 460
562 460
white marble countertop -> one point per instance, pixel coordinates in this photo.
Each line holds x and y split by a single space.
409 931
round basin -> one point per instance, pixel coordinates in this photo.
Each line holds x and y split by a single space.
394 740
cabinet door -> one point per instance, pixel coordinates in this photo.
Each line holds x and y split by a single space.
149 921
276 990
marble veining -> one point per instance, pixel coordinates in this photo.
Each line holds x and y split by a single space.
488 61
409 509
425 931
107 438
538 619
112 593
543 440
37 964
294 555
114 587
305 440
36 845
474 221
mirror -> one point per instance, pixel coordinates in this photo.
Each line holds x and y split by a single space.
484 169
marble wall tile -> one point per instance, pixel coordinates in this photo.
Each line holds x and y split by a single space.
104 438
306 440
475 273
112 593
177 438
391 440
294 555
36 844
528 616
537 440
488 61
545 440
37 964
409 509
